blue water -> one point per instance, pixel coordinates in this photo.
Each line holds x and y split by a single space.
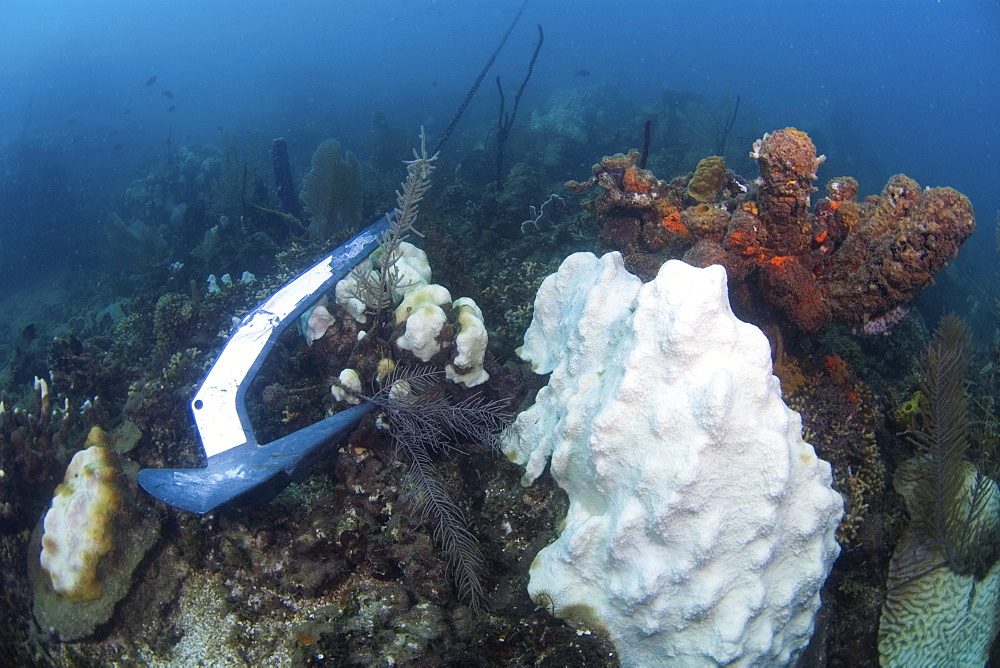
883 87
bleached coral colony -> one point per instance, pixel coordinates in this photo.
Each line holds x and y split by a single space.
701 526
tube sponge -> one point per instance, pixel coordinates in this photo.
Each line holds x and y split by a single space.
78 526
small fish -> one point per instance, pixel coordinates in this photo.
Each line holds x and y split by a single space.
151 80
71 121
583 73
172 108
28 334
126 112
167 94
113 133
117 147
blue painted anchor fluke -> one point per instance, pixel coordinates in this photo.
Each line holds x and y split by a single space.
237 464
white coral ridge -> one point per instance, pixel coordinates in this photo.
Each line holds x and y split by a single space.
701 526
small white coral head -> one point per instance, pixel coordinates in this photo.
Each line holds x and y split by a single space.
417 297
319 321
467 367
413 267
348 387
423 326
348 290
78 525
386 366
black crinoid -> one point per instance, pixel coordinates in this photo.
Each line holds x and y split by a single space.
423 421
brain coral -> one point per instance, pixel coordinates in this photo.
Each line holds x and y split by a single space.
933 616
708 178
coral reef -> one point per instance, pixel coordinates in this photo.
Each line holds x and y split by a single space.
331 568
342 568
839 417
844 260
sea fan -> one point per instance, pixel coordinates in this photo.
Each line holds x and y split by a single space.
376 289
945 510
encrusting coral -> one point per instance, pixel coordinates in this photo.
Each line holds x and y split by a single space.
843 260
78 528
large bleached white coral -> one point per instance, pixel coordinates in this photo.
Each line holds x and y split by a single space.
701 526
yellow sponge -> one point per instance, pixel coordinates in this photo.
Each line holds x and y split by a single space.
78 526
